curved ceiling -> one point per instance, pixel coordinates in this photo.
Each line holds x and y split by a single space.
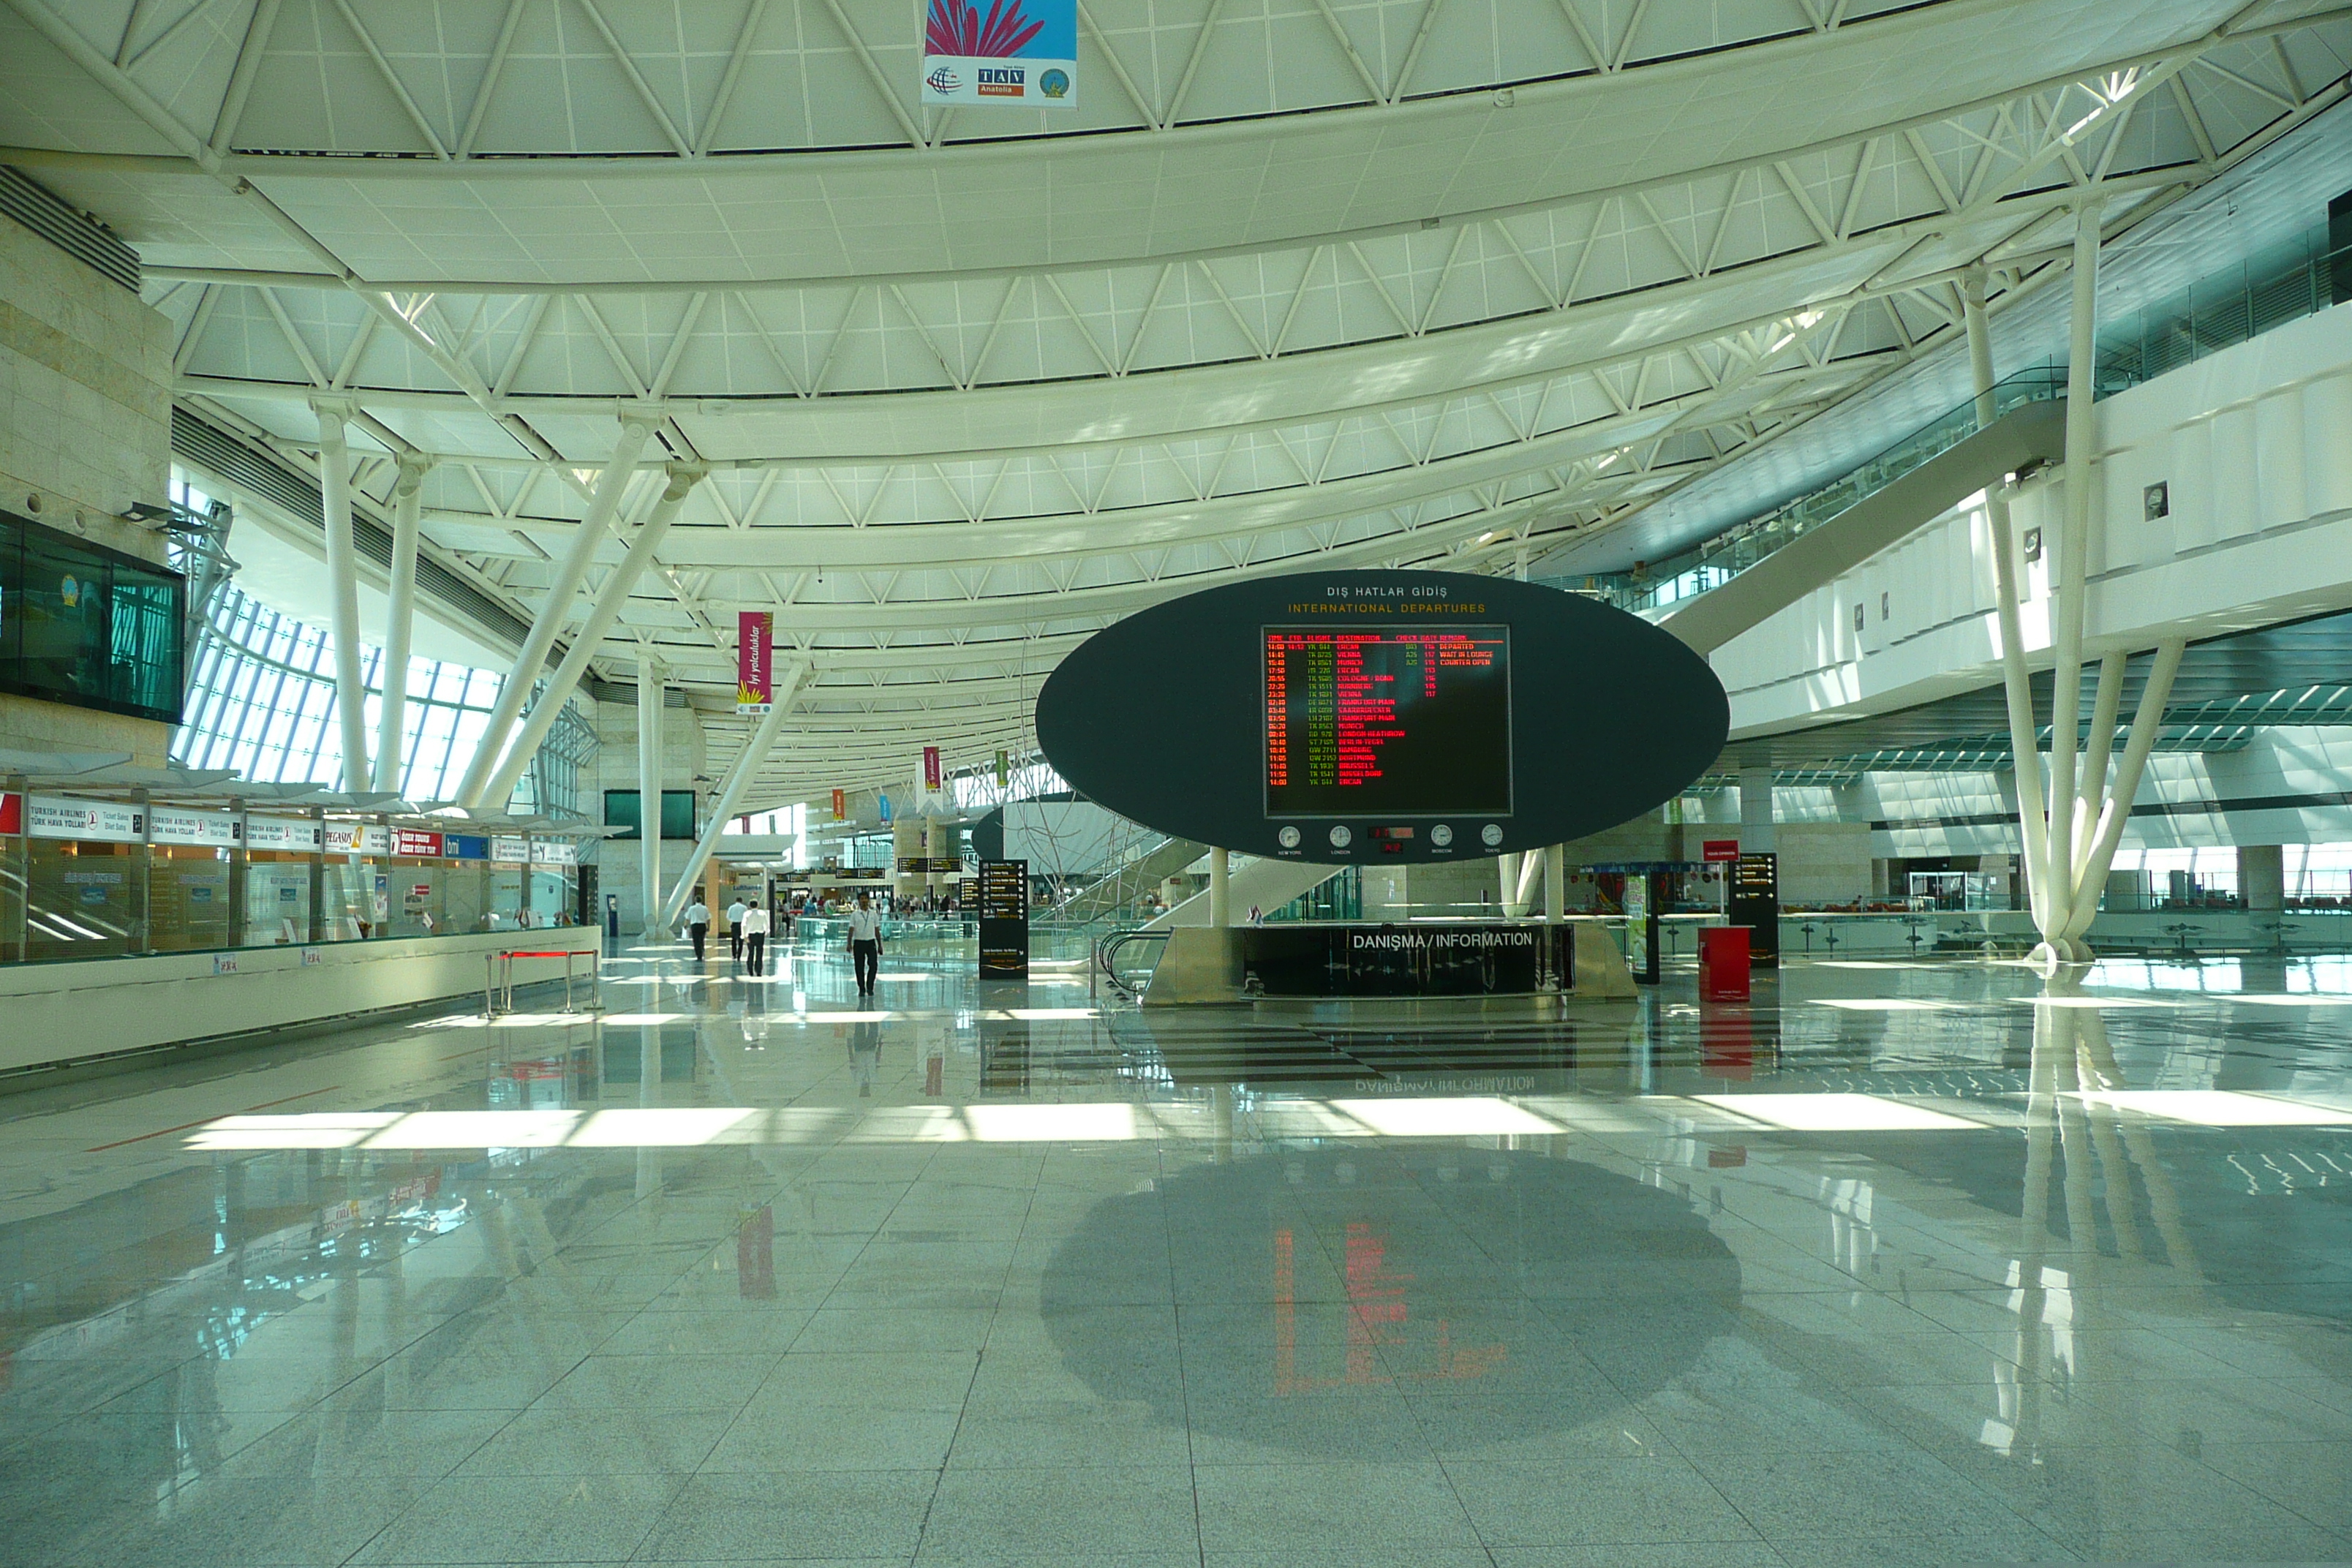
1301 282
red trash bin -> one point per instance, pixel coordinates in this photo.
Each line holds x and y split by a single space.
1723 964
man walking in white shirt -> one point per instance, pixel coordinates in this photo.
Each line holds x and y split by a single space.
735 931
697 924
755 939
865 943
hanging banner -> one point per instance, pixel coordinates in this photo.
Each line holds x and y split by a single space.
932 769
1020 53
1003 769
755 664
885 801
840 806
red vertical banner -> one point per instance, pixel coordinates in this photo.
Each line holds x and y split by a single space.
840 807
755 664
932 769
12 814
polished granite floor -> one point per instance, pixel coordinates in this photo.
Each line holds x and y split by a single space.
1901 1263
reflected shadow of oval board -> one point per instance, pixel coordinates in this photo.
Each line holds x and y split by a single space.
1479 1294
1367 718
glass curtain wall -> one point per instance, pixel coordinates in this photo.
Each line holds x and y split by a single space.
263 702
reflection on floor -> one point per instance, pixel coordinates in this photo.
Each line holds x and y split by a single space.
1904 1263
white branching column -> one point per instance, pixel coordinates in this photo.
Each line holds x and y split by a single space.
407 499
2072 819
342 584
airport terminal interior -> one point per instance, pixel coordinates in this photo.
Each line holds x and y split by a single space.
1259 784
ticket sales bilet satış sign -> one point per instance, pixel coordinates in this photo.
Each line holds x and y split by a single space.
1019 53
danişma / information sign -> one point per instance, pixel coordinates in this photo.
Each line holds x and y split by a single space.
1387 723
1381 717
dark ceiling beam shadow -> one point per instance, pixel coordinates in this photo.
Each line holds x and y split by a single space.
2023 436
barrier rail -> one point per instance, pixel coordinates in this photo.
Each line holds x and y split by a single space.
1107 958
492 990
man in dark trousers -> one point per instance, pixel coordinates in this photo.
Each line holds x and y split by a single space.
697 924
755 939
865 942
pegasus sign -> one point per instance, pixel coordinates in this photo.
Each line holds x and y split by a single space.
1018 52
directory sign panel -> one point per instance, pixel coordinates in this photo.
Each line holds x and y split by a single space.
1003 920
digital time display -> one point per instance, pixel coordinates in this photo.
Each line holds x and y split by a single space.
1387 723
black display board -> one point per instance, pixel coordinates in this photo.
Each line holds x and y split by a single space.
1397 961
1346 717
1756 904
1003 920
1387 723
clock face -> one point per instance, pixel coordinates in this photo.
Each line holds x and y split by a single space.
1442 834
1492 833
1287 838
1341 837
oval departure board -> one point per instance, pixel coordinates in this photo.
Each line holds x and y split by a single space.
1348 717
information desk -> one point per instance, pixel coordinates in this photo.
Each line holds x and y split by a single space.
1354 958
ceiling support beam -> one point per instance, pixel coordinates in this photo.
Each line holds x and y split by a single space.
650 787
407 496
342 582
2072 585
554 609
730 796
589 641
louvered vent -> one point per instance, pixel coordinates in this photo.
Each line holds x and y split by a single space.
77 234
209 446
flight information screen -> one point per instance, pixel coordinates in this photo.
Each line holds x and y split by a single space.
1387 723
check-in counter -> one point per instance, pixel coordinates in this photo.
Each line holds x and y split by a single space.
1344 960
53 1014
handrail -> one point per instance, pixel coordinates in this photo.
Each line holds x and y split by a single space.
1107 955
1716 561
2281 283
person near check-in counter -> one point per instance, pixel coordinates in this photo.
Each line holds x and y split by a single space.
866 943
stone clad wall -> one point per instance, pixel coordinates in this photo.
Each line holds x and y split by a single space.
85 431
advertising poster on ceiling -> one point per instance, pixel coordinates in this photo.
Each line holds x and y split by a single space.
1020 53
841 805
755 664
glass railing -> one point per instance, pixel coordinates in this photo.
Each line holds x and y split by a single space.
2276 285
1723 557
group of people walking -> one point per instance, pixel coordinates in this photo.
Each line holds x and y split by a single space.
749 925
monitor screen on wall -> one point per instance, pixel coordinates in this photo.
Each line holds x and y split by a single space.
678 812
